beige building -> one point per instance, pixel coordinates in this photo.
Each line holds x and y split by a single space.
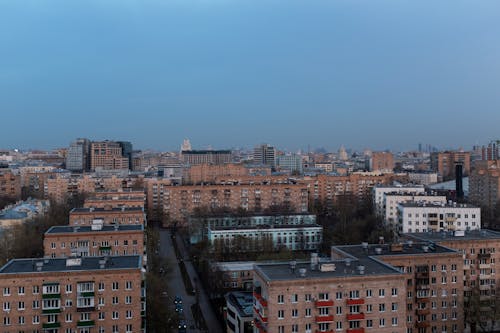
484 183
92 294
107 155
10 184
444 163
94 240
116 199
382 161
123 215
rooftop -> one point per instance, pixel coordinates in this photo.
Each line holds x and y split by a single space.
41 265
108 209
408 248
242 301
436 204
483 234
267 227
104 228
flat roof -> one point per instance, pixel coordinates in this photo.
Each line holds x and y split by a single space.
102 209
242 301
267 227
418 204
484 234
415 248
16 266
251 215
65 229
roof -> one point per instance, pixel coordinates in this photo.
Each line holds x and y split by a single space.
101 209
13 215
29 265
483 234
241 301
267 227
417 204
105 228
422 248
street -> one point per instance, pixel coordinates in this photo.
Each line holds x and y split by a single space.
175 285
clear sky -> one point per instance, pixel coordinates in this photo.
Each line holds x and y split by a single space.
362 73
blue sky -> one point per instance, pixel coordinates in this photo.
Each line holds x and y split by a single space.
362 73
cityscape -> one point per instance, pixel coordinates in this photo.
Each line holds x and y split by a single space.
221 166
100 237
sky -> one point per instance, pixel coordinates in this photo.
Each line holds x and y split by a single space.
380 74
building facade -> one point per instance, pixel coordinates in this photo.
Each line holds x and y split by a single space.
264 154
392 201
444 163
78 155
194 157
107 155
93 294
381 161
484 183
123 215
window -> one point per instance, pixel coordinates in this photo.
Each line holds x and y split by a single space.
281 299
295 328
52 245
381 292
101 316
281 329
354 294
128 328
6 320
36 319
394 321
281 314
369 308
20 306
69 288
36 289
338 325
114 328
114 315
21 320
20 290
36 304
394 306
307 297
114 300
69 303
338 310
308 312
6 306
114 286
128 285
128 299
101 286
128 314
323 296
394 291
382 322
381 307
295 313
338 295
68 317
6 291
368 293
295 298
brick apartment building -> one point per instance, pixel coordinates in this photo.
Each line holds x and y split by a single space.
484 183
115 199
94 240
380 288
208 173
193 157
107 155
481 261
179 202
122 215
444 163
10 184
92 294
381 161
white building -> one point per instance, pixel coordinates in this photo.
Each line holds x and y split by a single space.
293 237
379 192
423 178
239 310
425 217
392 200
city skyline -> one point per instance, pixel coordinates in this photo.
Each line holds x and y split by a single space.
322 74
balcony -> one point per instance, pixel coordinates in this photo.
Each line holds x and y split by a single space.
260 299
483 255
104 248
355 316
329 331
423 312
260 327
422 275
85 309
51 311
51 325
355 330
85 323
87 294
51 296
357 301
261 317
323 303
423 287
484 266
422 324
324 319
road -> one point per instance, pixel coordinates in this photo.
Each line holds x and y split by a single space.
176 285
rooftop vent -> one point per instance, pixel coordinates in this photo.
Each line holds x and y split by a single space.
314 261
293 265
459 233
102 263
364 245
378 250
348 261
425 248
327 267
410 243
97 224
39 266
361 269
396 247
73 262
302 272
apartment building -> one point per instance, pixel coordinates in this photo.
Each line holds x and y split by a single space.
381 161
208 173
423 217
122 215
239 313
108 155
179 202
481 261
90 294
116 199
393 199
194 157
484 183
94 240
379 192
444 163
10 184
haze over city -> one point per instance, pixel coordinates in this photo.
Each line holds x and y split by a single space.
377 74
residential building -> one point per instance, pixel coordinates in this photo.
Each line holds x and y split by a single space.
78 156
90 294
423 177
239 312
107 155
424 217
379 192
208 173
444 163
194 157
484 183
232 275
23 211
122 215
289 162
94 240
116 199
10 184
381 161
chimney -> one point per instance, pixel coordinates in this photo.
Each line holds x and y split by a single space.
314 261
459 187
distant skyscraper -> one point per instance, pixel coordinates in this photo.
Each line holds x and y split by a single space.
78 156
186 145
292 162
127 151
264 154
343 154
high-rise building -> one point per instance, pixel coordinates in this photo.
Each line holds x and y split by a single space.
127 151
108 155
381 161
444 163
195 157
491 152
186 145
290 162
78 156
484 183
264 154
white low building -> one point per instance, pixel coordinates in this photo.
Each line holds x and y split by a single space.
392 200
380 191
425 217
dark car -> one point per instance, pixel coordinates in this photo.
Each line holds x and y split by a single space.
177 300
178 308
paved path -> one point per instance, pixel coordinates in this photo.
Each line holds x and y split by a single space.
175 283
205 305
